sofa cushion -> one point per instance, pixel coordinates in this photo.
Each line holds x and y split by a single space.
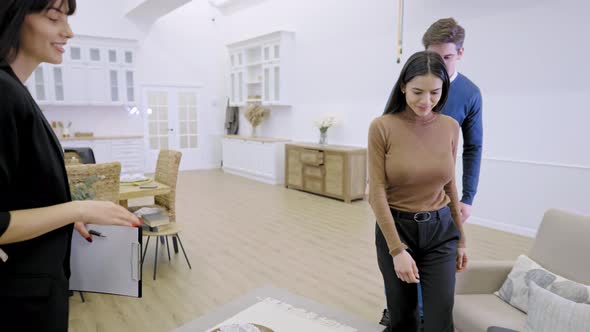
515 289
477 312
549 312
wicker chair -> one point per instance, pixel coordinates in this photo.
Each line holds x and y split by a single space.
94 181
166 173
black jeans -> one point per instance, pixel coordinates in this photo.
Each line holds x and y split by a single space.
433 245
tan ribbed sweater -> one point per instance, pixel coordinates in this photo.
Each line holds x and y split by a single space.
412 169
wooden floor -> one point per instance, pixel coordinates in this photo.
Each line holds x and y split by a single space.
241 235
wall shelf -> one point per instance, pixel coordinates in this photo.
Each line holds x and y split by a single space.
263 66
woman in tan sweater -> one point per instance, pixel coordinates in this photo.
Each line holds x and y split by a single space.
419 236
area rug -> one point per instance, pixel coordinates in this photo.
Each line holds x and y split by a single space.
280 311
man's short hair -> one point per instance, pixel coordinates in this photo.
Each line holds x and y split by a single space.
445 30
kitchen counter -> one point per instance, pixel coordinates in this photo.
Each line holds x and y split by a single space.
257 139
99 137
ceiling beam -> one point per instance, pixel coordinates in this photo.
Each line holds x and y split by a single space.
228 7
144 13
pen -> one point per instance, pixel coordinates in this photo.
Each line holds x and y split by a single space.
93 232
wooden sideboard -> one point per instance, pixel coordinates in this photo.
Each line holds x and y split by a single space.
329 170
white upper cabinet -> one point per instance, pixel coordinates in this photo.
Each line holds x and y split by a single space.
98 94
95 71
112 56
272 51
75 54
58 84
38 83
130 90
262 69
128 57
75 88
94 55
237 59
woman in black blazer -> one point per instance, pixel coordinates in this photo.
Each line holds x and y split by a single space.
37 216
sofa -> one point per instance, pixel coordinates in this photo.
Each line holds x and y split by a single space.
561 246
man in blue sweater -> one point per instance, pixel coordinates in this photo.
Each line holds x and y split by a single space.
446 38
464 104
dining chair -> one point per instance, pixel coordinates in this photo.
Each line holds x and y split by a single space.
166 173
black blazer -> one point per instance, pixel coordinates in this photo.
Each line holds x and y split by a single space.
34 279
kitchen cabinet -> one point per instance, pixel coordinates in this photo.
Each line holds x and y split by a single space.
95 71
257 158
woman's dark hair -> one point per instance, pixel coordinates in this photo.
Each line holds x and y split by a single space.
12 16
421 63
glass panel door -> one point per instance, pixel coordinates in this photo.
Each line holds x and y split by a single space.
158 126
187 120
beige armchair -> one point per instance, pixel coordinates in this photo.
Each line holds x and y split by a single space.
561 246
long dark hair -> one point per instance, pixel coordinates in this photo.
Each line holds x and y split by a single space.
421 63
12 16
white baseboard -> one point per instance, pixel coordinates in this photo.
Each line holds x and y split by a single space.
211 166
203 167
525 231
252 176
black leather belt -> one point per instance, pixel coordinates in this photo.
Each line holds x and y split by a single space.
417 216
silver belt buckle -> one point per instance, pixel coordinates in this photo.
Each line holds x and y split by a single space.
427 216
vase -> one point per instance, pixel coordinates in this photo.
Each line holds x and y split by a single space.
323 137
253 133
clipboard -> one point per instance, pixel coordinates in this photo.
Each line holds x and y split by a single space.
110 264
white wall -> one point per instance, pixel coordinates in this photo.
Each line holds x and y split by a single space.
526 56
184 48
104 18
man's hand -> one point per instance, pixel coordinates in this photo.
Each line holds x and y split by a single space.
465 210
461 259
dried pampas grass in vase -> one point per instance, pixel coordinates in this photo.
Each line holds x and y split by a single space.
255 114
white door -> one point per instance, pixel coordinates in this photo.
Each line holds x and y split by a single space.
172 122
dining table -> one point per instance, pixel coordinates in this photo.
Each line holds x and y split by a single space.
131 190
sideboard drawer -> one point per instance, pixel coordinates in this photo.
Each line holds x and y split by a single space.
314 171
313 184
312 157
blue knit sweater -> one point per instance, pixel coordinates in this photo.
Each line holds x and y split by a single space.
464 105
